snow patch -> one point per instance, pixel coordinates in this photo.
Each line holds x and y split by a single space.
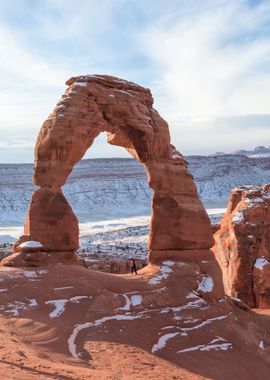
136 300
124 92
206 285
78 328
168 263
61 304
260 263
204 323
82 84
238 217
33 274
191 295
261 345
127 304
64 287
15 307
59 307
216 344
163 341
31 244
76 299
164 272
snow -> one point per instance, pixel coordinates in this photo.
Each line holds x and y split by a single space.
64 287
33 274
2 290
82 84
167 327
163 341
124 92
204 323
261 345
78 328
238 217
164 272
33 302
168 263
235 299
30 274
127 304
123 181
206 285
76 299
7 238
254 200
136 300
14 308
99 190
213 345
216 344
198 304
176 157
59 307
31 244
260 263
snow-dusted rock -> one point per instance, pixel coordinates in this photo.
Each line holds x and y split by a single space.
242 245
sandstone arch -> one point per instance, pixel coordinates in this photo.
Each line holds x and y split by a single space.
94 104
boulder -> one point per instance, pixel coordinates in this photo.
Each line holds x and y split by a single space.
22 239
30 247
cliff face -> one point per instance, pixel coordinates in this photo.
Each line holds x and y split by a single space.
242 245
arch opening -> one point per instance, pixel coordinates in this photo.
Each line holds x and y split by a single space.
112 200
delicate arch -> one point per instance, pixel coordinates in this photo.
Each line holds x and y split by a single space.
94 104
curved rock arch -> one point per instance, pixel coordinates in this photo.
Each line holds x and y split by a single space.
94 104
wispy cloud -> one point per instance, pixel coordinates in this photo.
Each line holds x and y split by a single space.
207 63
214 60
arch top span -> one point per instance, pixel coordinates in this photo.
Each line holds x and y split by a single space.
93 104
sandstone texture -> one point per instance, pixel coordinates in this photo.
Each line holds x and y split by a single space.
242 246
94 104
70 322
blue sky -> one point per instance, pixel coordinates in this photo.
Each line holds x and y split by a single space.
206 62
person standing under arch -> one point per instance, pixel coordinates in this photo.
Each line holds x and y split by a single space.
133 266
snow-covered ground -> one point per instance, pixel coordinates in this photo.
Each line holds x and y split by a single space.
119 238
111 197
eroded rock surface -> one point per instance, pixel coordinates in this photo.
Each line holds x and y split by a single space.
242 245
94 104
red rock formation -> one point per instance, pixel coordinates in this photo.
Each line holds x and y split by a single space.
242 246
94 104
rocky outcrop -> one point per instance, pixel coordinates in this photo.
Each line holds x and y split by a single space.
242 246
94 104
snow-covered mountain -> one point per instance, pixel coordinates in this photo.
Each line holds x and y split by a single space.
259 151
215 176
106 188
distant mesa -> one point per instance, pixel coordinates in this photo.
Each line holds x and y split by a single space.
259 151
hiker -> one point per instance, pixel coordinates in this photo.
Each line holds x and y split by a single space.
133 266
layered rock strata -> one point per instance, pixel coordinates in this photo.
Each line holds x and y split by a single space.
95 104
242 246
